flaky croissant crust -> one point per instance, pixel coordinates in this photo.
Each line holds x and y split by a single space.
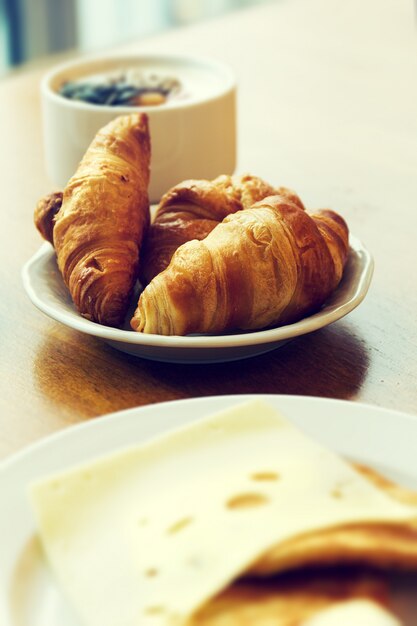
266 265
100 225
191 210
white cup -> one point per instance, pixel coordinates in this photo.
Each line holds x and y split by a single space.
193 134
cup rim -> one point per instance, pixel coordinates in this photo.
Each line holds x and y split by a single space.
114 59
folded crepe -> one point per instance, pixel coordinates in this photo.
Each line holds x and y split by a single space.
317 599
378 545
150 535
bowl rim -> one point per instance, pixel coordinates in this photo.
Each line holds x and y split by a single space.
229 81
361 281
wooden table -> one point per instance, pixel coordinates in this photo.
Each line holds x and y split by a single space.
327 106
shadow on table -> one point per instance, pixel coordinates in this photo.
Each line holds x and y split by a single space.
97 379
331 362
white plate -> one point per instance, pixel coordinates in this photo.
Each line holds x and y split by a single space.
29 595
43 283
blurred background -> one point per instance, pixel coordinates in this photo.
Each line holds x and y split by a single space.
32 29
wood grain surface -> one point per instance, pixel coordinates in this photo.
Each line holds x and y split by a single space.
327 106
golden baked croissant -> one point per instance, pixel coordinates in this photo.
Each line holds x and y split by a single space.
192 209
270 264
45 213
98 230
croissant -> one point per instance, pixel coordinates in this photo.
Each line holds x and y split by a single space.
270 264
98 230
192 209
45 213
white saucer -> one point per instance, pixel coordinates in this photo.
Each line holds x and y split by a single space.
29 594
43 283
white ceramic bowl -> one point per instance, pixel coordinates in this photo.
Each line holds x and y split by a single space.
44 285
193 135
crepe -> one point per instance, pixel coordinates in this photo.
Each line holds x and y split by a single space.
320 599
381 546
